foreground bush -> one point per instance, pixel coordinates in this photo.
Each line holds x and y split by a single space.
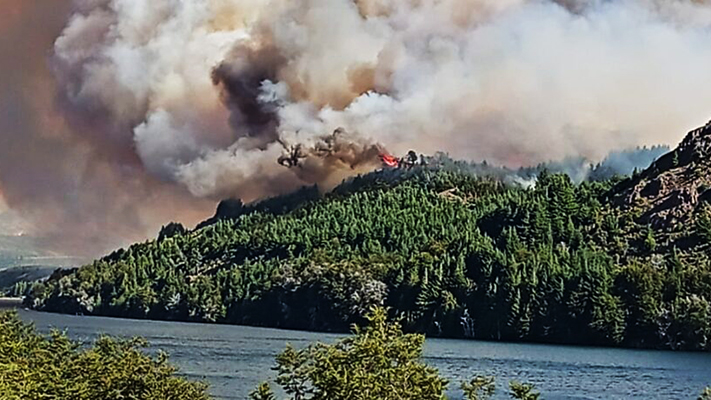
377 362
33 366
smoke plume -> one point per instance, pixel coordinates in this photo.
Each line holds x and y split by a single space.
149 105
71 187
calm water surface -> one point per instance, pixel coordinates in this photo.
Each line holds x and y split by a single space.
234 359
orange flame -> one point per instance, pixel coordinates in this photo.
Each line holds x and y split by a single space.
390 161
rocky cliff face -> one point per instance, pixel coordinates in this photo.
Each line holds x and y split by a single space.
668 193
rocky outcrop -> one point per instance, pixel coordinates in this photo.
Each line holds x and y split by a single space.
668 192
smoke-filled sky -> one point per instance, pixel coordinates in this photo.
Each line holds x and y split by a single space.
117 116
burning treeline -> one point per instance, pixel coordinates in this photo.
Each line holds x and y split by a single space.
156 104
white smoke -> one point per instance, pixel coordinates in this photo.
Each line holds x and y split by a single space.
205 90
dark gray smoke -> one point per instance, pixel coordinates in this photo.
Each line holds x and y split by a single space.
241 85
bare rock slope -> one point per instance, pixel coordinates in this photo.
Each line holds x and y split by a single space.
671 192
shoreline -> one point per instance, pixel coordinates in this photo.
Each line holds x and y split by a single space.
339 333
10 302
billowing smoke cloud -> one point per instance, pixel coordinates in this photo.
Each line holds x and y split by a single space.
70 187
162 97
208 91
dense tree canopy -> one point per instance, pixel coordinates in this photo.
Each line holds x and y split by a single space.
450 253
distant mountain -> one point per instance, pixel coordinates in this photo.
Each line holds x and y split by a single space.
21 258
14 245
15 280
20 261
24 250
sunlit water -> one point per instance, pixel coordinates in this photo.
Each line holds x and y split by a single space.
234 359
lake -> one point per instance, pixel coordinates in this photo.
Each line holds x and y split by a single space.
234 359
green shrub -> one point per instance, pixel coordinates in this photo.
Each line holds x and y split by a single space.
377 362
523 391
479 388
33 366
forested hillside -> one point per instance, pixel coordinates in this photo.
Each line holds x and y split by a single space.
451 253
